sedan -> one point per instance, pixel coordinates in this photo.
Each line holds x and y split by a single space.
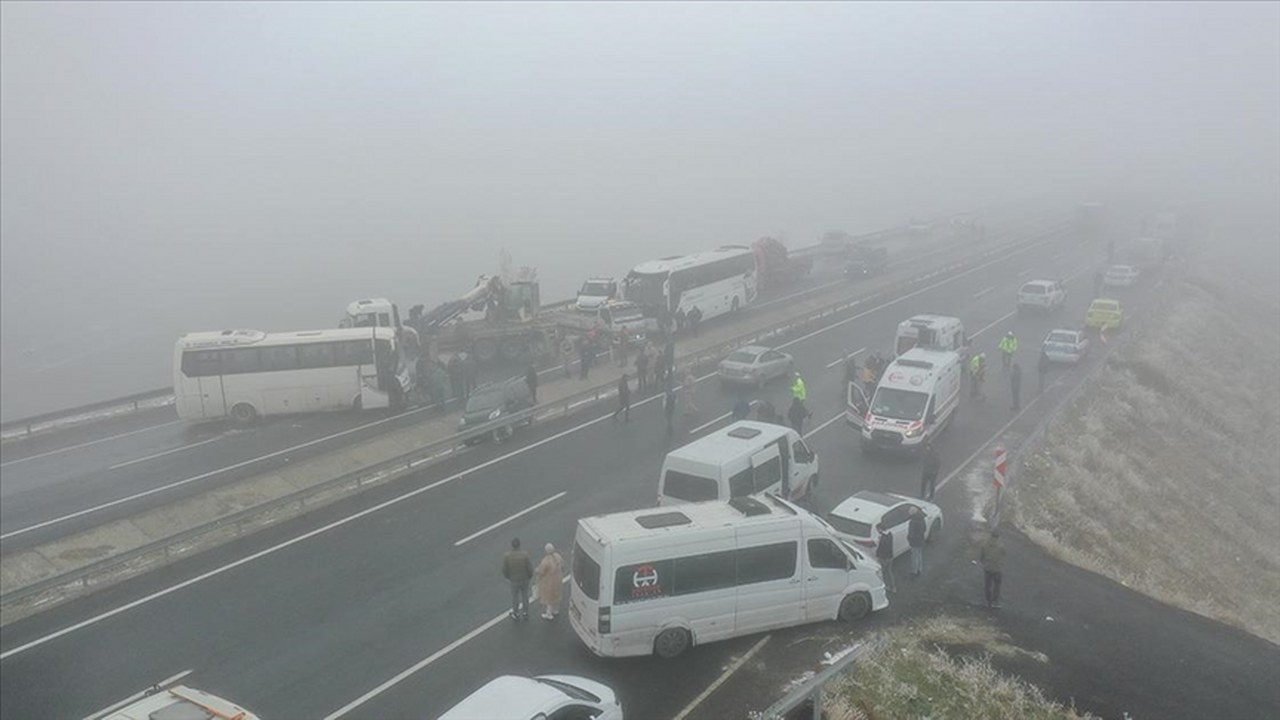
754 365
1104 313
1120 276
857 517
547 696
1066 346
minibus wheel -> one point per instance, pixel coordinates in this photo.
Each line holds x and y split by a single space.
243 414
855 607
671 643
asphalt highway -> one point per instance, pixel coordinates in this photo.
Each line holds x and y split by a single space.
390 604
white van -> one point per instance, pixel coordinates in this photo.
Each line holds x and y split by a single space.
915 401
660 580
937 332
742 459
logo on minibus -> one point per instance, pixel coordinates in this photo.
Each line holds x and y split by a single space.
645 576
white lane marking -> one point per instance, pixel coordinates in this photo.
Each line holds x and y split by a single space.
138 695
1055 256
993 323
117 466
201 476
988 442
87 444
983 291
837 361
913 293
729 671
509 518
402 498
420 664
814 431
1024 273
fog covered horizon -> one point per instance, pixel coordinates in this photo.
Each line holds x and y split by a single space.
175 167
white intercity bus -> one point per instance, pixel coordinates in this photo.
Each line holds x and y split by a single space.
663 579
716 282
248 374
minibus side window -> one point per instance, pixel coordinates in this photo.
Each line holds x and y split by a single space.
700 573
824 554
586 573
766 562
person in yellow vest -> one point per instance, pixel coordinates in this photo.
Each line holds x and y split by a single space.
977 372
797 389
1008 346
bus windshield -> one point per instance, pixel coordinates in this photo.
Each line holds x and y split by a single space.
647 288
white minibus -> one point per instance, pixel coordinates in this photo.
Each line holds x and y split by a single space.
661 580
936 332
915 401
742 459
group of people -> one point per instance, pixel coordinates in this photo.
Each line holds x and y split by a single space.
438 382
548 576
1008 346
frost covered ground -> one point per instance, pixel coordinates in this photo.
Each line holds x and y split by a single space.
1163 475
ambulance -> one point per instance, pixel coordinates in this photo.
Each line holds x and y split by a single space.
915 401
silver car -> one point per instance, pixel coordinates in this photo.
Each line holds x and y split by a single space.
754 365
1066 346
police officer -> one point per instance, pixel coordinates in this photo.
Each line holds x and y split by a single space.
1008 346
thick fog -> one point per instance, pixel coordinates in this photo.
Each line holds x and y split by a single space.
169 167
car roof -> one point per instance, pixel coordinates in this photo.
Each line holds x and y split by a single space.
1063 330
1120 267
1104 300
1049 283
867 505
753 349
506 697
179 701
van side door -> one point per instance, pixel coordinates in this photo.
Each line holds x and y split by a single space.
856 405
803 468
826 576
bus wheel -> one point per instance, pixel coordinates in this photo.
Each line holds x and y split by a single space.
244 414
671 643
855 607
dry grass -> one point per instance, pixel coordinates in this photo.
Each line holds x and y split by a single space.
1164 474
913 675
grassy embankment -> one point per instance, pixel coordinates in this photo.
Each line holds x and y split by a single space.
942 668
1163 475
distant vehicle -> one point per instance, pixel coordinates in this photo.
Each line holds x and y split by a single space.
857 517
544 697
915 401
754 365
489 403
937 332
716 282
170 701
248 374
659 581
374 312
1120 276
1066 346
744 458
776 266
865 261
1041 295
617 315
1104 313
596 292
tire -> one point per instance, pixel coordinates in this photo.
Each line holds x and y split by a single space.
671 643
854 607
244 414
935 528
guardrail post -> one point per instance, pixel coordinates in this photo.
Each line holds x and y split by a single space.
816 699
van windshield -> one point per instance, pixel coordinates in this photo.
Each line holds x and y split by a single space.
898 404
586 573
594 289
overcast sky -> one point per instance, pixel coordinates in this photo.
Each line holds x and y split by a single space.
197 166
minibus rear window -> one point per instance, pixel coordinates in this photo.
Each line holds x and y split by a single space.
690 488
586 573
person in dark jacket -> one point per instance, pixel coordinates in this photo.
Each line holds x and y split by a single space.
669 408
669 359
992 558
884 553
517 568
797 414
624 400
741 408
694 319
915 538
1015 386
929 473
642 370
585 351
531 379
456 382
1042 368
766 412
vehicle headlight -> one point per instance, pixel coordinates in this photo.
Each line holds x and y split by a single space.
914 431
496 412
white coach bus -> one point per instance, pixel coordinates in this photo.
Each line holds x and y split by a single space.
715 282
247 374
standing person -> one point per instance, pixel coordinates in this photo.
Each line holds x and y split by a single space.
978 370
798 391
624 400
470 373
669 408
992 558
797 414
550 580
1008 346
869 378
531 379
884 553
1042 368
695 319
518 570
1015 385
915 538
688 387
742 407
455 376
584 358
669 358
566 357
642 370
766 412
929 472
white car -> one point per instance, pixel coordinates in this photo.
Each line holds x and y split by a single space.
1120 276
754 365
175 701
596 293
856 518
545 697
1066 346
1043 295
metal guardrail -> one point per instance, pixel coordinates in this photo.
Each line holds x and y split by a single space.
162 552
810 692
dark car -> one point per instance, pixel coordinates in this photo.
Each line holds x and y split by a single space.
865 262
490 403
